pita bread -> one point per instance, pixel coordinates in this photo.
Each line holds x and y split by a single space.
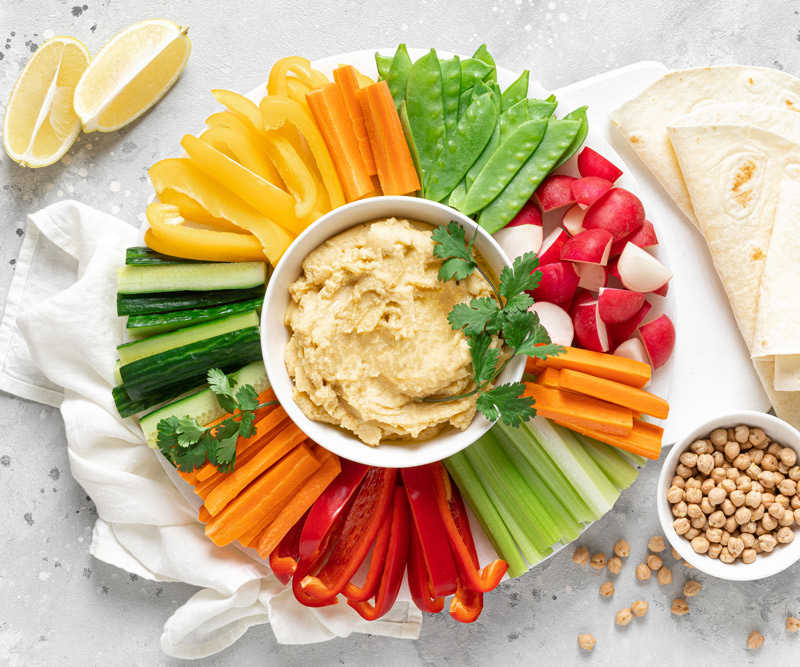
644 119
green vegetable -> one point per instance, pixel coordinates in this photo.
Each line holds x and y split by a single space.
191 277
140 326
462 148
458 195
166 302
491 145
618 470
483 54
541 108
517 91
451 91
426 111
142 255
557 138
189 445
127 407
412 147
512 118
397 77
580 115
503 165
384 64
473 71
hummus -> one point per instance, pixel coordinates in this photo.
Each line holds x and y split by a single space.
370 336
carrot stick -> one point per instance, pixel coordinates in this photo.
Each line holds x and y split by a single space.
262 501
346 80
580 410
204 515
282 443
395 168
613 392
271 536
548 377
628 371
644 440
203 489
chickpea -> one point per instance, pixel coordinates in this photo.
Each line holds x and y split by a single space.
692 533
586 641
683 471
714 535
679 509
743 515
693 510
607 589
679 607
738 497
642 572
699 522
623 617
707 485
714 551
640 607
736 546
692 483
727 485
581 556
678 481
692 495
716 519
654 562
681 525
664 576
767 479
614 565
767 500
728 507
782 500
741 461
741 433
749 555
758 512
758 549
753 472
787 519
796 514
767 542
776 511
788 487
688 565
758 438
757 486
726 536
674 553
705 463
598 561
748 540
757 456
731 525
774 449
769 522
794 473
753 499
675 494
698 447
769 463
784 535
749 527
794 503
717 474
792 624
719 436
744 484
731 450
783 468
727 466
718 458
726 556
691 588
755 640
689 459
700 544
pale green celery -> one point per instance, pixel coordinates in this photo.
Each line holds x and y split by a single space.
555 479
567 525
513 515
492 523
581 470
635 459
614 465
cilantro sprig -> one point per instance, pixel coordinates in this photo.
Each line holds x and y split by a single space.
189 445
506 316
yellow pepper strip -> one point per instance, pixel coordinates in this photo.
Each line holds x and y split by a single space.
294 172
168 235
246 148
301 68
241 106
297 90
182 175
363 79
262 195
191 210
276 111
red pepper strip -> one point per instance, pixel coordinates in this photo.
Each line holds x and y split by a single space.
456 523
466 605
396 557
418 581
430 530
376 564
284 557
369 511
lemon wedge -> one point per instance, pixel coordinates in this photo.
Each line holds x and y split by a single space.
130 74
39 124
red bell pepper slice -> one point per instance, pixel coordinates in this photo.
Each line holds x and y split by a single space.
430 530
466 605
329 573
418 581
456 523
284 557
376 564
395 559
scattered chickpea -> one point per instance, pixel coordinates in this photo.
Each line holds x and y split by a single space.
581 556
755 640
607 589
623 617
614 565
654 562
675 554
792 623
691 588
656 544
586 641
642 572
640 607
664 576
598 561
622 549
679 607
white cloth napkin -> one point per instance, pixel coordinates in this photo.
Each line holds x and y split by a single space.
57 346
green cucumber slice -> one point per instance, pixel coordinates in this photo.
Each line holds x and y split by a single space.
192 277
165 302
144 256
151 324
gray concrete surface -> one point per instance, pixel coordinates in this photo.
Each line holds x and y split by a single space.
60 606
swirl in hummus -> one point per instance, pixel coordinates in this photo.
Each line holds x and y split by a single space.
370 336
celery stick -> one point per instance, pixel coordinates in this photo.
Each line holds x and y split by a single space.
635 459
513 515
536 455
472 489
568 527
613 464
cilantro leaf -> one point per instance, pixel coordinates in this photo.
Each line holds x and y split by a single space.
226 428
517 326
219 383
507 403
225 454
484 358
189 431
167 433
520 277
455 268
479 316
450 245
247 397
521 301
246 429
191 457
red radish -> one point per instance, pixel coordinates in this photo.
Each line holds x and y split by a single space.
640 271
661 291
591 163
519 239
573 220
590 246
558 284
632 348
619 333
551 247
644 237
658 337
612 268
557 322
617 211
589 328
617 305
589 189
591 276
529 214
581 296
555 192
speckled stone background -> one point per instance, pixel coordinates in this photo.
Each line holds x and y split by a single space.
60 606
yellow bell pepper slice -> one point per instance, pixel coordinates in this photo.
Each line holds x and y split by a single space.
168 235
276 111
301 68
246 148
297 90
294 172
241 106
191 210
182 175
262 195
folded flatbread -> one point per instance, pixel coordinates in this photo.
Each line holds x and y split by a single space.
643 120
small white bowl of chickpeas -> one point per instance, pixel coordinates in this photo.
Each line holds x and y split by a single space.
729 496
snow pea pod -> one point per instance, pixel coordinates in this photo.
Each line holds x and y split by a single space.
512 118
558 137
457 195
472 71
483 55
383 64
517 91
451 91
504 164
412 147
397 77
492 145
542 108
426 110
464 100
577 142
462 147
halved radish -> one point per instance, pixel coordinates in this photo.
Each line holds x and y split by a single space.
617 305
519 239
661 291
640 271
617 211
555 192
558 283
529 214
658 337
551 247
591 246
591 276
589 328
632 348
644 237
589 189
591 163
557 322
619 333
573 220
613 269
581 296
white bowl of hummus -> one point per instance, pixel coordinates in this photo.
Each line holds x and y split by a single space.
355 336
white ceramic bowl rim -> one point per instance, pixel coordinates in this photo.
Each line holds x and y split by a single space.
274 334
783 556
